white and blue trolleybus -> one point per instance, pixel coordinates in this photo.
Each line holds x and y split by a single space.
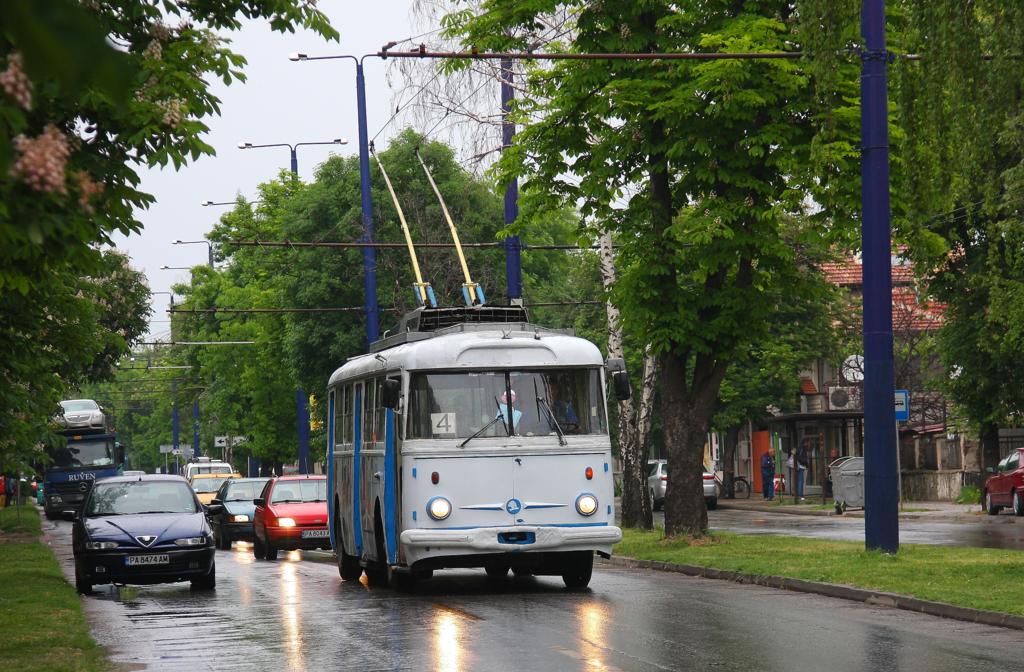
472 438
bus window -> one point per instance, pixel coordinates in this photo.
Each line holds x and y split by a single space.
346 411
381 412
457 405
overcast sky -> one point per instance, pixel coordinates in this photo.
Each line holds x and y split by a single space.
281 101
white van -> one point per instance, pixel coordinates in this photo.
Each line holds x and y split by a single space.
205 465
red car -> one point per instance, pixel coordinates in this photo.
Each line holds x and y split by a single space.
291 513
1005 487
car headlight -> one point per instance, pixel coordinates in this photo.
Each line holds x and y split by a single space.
586 504
56 499
190 541
439 508
285 522
100 545
240 518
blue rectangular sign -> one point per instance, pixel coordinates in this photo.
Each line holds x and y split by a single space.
902 405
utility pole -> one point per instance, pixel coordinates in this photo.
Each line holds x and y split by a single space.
513 265
195 427
369 253
881 470
175 425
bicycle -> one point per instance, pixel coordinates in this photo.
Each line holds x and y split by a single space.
740 487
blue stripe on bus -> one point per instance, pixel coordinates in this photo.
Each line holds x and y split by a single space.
330 470
357 523
390 474
483 527
414 472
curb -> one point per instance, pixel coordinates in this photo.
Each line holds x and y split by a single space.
871 597
829 513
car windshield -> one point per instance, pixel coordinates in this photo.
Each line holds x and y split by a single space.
543 403
94 453
125 498
299 491
240 492
79 405
207 485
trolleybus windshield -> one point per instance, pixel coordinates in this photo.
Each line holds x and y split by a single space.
458 405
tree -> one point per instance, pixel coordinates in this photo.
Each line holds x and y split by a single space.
712 156
90 93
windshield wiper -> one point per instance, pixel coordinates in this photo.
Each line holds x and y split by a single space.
551 416
483 429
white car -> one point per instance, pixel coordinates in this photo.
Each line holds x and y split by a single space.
83 414
657 481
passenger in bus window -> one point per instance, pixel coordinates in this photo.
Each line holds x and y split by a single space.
503 409
562 407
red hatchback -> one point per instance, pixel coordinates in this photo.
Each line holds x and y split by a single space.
1005 487
291 513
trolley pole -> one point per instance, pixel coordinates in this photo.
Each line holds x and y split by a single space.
881 496
369 253
513 266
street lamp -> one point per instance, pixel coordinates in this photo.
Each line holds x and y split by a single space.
292 149
175 268
196 242
208 203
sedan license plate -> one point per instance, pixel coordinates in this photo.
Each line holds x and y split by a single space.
314 534
134 560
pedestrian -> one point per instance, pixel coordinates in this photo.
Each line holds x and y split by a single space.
768 475
3 490
803 461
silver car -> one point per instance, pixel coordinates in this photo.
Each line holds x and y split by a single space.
84 414
657 480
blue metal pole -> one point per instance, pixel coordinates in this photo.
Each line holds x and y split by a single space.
369 253
195 428
513 265
295 161
175 430
881 476
253 467
302 411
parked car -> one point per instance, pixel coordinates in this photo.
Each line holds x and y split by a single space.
290 514
82 414
207 485
657 482
1005 487
142 530
234 522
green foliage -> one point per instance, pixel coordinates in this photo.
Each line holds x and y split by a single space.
969 494
89 93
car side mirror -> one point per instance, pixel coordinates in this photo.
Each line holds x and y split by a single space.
259 501
214 509
216 501
989 470
620 384
391 392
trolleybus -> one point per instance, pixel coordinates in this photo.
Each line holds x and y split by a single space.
472 438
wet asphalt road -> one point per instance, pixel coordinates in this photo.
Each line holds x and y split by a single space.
296 614
1002 532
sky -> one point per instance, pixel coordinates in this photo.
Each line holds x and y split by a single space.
280 102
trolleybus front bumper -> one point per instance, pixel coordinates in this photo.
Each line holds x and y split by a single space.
424 543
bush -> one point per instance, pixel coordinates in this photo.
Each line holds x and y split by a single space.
969 494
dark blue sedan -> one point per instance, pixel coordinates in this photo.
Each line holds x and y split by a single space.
143 530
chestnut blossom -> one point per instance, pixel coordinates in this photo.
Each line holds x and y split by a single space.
41 160
15 82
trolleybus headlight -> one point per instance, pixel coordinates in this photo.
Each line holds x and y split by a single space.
586 504
439 508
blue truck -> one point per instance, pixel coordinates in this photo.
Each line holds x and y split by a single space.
74 465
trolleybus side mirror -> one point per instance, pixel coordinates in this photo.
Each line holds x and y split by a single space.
620 383
391 393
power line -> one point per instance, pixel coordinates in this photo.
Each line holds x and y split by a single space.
342 309
403 246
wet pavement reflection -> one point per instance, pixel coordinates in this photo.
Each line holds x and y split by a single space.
296 614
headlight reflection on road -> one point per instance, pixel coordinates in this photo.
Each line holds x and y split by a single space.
447 647
243 553
593 620
290 600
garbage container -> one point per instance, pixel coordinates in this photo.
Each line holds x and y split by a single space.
848 483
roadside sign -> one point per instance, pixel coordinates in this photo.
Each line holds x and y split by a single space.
184 451
167 448
902 401
226 441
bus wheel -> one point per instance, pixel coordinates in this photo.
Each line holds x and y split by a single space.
578 567
348 565
378 573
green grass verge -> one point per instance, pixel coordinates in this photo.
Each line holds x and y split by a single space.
40 613
981 578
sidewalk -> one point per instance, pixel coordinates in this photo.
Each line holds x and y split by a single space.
930 511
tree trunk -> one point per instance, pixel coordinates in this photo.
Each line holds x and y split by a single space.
989 440
636 505
732 437
646 413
